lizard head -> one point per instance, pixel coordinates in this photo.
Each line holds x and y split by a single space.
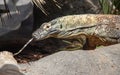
46 30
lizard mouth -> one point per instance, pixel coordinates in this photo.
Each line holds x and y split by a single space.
53 32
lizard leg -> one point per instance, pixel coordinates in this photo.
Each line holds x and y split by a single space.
71 45
112 40
74 44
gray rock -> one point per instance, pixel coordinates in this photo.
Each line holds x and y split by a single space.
101 61
19 11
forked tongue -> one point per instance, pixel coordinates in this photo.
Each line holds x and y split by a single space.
23 47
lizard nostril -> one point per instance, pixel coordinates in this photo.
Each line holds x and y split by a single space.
34 35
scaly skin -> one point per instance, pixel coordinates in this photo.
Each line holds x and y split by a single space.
106 28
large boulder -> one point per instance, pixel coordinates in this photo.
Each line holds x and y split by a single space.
101 61
20 10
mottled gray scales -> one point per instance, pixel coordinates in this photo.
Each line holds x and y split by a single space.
104 28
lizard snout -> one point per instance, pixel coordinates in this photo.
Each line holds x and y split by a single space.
35 36
39 35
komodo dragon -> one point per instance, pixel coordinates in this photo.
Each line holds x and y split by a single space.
79 30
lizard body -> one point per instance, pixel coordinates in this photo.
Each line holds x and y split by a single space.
81 27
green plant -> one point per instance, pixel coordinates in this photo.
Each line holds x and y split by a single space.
110 6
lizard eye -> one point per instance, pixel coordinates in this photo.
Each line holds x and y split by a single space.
47 26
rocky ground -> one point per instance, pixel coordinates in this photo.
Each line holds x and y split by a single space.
101 61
